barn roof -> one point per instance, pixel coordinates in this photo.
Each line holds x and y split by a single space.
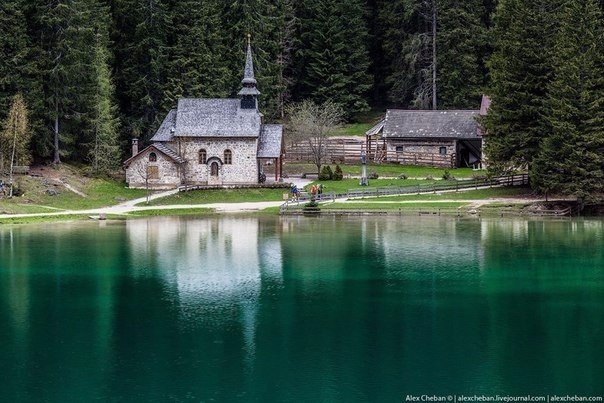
459 124
269 144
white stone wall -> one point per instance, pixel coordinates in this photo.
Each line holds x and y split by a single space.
242 170
169 176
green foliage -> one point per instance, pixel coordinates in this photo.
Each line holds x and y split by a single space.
141 63
333 59
338 175
326 173
195 68
15 136
520 71
461 43
570 158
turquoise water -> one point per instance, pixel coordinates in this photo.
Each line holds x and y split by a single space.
246 309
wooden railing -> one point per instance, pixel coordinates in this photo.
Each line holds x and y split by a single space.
359 193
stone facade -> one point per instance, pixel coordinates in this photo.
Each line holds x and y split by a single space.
159 172
242 169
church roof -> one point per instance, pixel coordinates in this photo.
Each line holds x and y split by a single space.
166 130
269 143
458 124
199 117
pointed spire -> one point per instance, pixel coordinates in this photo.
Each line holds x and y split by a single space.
249 81
249 93
248 73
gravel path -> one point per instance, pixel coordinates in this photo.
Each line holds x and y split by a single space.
138 205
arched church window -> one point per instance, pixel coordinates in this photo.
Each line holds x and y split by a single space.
228 157
203 156
152 157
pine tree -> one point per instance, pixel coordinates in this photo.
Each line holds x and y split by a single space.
520 71
333 57
402 49
196 67
15 138
19 65
66 30
13 47
571 157
103 150
460 42
141 58
271 26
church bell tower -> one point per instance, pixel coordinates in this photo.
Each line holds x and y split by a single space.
249 91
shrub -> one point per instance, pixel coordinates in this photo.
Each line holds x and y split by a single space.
402 176
326 173
373 175
311 204
447 175
338 175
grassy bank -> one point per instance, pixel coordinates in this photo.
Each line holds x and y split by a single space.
386 170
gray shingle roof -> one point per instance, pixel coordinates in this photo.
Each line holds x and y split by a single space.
216 118
162 148
164 133
460 124
169 152
269 143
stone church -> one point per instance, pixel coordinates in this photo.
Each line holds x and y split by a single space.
210 142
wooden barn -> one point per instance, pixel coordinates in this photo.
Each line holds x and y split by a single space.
441 138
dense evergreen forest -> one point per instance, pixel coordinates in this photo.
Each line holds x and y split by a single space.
95 73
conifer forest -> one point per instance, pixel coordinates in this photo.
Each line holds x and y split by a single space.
95 73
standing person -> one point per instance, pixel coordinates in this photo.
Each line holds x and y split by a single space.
294 192
313 191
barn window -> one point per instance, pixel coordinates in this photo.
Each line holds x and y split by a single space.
442 150
228 157
203 155
400 149
152 157
152 172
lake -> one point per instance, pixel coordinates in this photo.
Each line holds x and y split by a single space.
297 309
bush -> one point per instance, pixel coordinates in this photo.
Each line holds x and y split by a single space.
447 175
338 175
373 175
311 204
402 176
326 173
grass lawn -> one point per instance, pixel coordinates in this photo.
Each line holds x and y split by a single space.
222 196
477 194
99 193
386 170
348 184
364 205
353 129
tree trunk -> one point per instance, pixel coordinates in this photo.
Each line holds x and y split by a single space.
57 156
434 54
